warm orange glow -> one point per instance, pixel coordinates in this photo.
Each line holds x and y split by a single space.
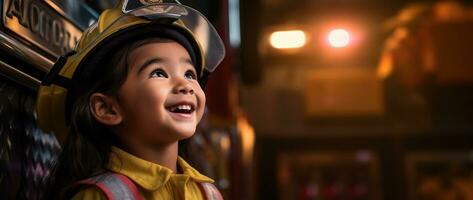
288 39
247 138
339 38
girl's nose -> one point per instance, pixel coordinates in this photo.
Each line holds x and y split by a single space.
183 88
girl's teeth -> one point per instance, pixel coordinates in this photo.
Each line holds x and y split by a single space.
184 107
180 107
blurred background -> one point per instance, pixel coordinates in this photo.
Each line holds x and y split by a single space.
316 99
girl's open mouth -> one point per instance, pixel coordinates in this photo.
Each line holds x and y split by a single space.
183 108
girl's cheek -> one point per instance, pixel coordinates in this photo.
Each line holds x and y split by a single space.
202 103
204 98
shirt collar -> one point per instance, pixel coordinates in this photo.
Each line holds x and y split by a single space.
148 175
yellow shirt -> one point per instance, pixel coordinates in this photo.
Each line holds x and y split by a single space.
152 180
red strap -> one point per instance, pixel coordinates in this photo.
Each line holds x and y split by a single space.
210 192
131 186
101 186
114 185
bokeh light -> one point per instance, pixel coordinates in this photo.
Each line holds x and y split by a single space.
288 39
339 38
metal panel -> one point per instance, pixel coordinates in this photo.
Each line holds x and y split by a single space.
38 23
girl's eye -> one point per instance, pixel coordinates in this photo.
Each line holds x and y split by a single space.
159 73
190 75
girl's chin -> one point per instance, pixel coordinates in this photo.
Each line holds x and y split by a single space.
184 134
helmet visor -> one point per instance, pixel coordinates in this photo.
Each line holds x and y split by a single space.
203 31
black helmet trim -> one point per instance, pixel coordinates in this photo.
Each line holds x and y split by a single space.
53 77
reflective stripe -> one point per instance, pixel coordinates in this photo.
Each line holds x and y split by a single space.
115 186
210 192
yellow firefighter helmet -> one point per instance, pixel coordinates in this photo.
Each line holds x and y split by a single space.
128 21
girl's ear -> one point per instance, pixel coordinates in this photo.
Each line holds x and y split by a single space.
105 109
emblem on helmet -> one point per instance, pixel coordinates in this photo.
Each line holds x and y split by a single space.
149 2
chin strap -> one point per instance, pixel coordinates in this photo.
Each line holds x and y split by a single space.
53 77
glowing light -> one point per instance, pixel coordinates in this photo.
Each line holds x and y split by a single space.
288 39
339 38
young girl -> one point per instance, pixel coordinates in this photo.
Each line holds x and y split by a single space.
124 99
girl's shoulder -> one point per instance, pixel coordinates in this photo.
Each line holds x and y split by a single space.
113 186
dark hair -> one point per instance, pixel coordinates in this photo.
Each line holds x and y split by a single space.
88 146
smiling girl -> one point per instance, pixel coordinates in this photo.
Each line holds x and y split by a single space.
121 103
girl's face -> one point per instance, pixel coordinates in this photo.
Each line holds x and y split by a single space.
160 100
